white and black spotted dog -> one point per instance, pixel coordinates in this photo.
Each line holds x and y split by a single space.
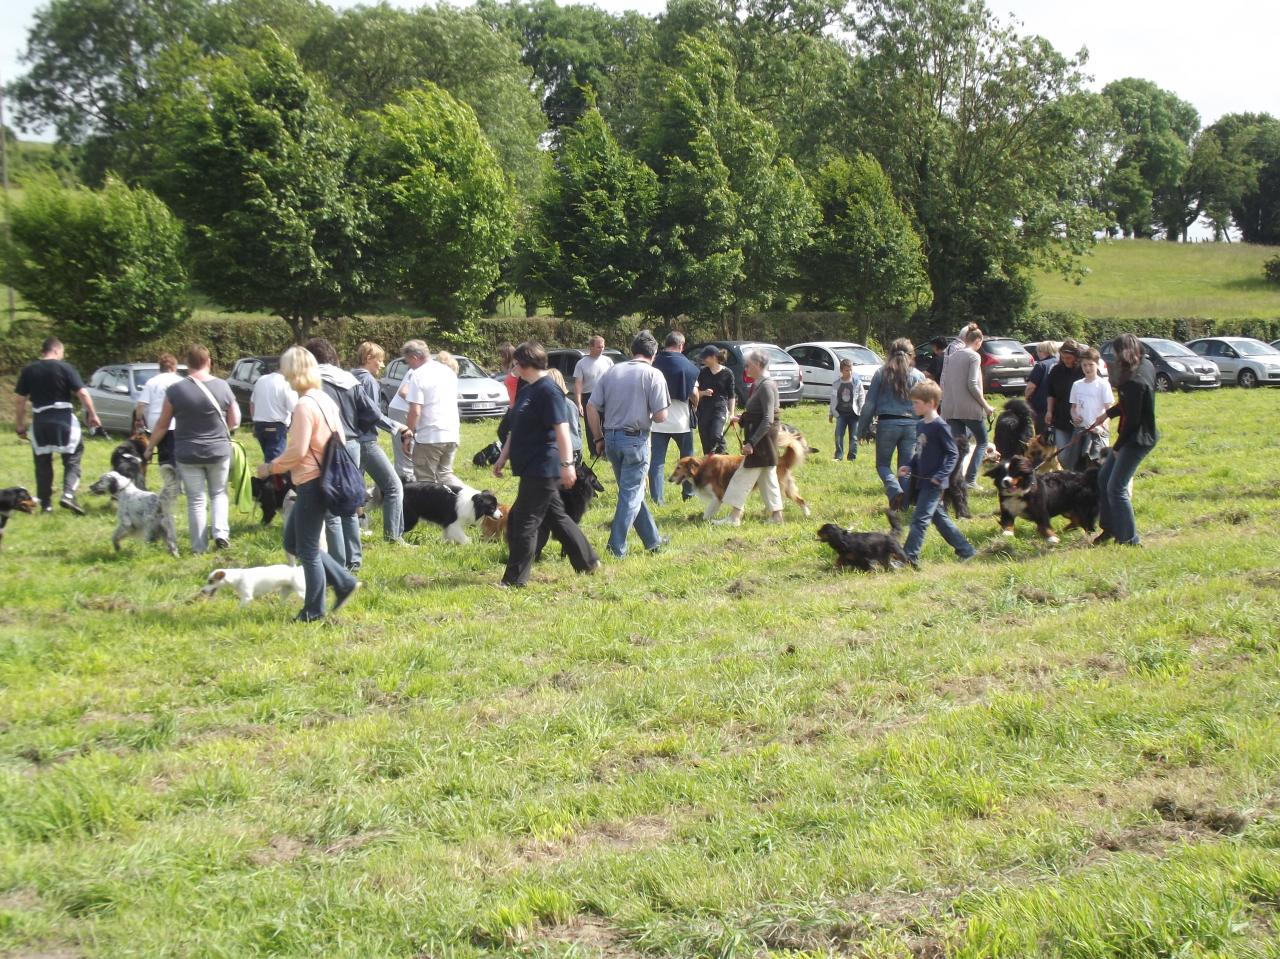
139 513
452 508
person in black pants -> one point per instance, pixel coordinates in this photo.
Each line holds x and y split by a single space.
718 394
541 454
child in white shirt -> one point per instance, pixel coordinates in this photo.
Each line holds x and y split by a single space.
1090 397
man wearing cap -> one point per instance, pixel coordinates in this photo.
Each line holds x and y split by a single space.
1057 417
625 404
682 386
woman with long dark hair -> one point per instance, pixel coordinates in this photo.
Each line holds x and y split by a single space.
1136 385
888 405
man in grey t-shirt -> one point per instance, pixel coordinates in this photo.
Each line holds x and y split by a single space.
627 401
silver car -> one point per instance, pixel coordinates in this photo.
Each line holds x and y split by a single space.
115 391
479 395
819 363
1241 359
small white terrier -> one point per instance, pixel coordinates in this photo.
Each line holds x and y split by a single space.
255 582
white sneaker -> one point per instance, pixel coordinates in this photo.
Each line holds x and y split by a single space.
726 521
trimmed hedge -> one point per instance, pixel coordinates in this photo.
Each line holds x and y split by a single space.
230 337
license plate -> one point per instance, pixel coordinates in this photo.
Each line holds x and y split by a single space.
1208 378
1016 381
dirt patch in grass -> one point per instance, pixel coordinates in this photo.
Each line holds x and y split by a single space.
20 900
608 837
591 936
278 849
1214 818
353 843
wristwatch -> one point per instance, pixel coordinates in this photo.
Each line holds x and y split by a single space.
566 466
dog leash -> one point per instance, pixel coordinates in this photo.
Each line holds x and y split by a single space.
1058 451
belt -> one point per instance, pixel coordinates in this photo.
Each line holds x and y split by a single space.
627 431
896 416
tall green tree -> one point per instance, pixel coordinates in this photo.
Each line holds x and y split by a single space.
1155 152
106 266
989 138
445 211
590 241
733 210
369 55
255 162
1255 137
865 256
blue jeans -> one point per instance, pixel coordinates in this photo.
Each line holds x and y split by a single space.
629 457
272 437
374 462
927 501
658 461
343 532
1115 508
847 423
1068 453
893 436
302 539
978 430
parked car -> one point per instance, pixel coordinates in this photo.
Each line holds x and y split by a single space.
1275 344
115 390
244 373
1241 359
1176 366
566 359
1005 365
479 395
820 365
784 370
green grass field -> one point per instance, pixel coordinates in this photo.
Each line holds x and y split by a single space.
726 750
1135 279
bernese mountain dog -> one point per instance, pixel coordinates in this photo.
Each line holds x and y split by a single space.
1038 497
15 499
1014 429
863 550
452 508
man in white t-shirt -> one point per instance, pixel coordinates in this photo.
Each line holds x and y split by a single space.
151 402
1090 398
432 394
271 408
585 377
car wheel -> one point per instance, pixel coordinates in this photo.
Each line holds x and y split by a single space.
1163 383
1247 379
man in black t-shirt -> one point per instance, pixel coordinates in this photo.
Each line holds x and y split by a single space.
50 385
1057 384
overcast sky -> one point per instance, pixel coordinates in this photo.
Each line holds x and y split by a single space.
1219 56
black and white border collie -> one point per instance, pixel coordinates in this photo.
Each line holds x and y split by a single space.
452 508
1038 497
15 499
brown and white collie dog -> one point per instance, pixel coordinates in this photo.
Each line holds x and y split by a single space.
710 475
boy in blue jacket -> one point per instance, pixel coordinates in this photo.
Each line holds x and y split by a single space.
931 465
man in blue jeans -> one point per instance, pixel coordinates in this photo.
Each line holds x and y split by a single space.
627 401
682 386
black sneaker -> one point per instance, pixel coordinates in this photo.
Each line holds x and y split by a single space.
69 502
220 544
340 599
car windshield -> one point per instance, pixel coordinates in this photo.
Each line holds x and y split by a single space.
1004 348
140 377
1251 347
859 355
467 370
1169 348
777 356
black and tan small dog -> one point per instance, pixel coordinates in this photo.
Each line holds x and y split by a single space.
487 456
1038 497
270 494
129 459
863 550
15 499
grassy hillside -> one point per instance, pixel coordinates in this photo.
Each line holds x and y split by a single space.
728 749
1145 278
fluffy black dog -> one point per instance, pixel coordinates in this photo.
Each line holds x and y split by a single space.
127 459
270 494
1014 428
956 495
863 550
577 500
1039 497
15 499
487 456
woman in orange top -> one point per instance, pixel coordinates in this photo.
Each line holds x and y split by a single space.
315 419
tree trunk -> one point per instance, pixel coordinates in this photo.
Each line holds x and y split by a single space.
300 326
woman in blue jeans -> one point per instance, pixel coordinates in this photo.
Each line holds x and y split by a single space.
1136 382
373 460
888 404
315 419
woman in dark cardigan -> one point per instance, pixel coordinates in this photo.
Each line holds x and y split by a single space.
1136 381
759 421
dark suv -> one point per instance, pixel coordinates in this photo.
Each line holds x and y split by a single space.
247 371
782 367
566 359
